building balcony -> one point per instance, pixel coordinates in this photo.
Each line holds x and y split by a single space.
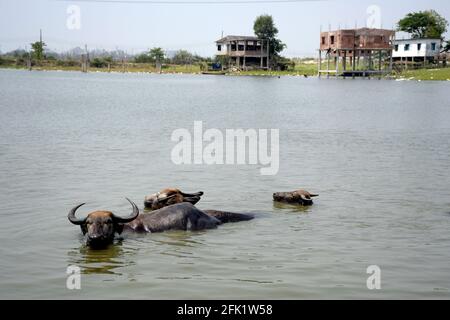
243 53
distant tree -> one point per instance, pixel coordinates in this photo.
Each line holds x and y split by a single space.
182 57
223 60
101 62
424 24
38 49
265 28
157 55
284 64
143 58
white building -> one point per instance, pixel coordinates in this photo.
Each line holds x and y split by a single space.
416 49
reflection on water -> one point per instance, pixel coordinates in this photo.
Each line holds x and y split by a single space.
105 261
288 207
181 238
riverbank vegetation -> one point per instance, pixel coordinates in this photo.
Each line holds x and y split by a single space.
184 62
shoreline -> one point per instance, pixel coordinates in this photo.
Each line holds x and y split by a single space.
419 75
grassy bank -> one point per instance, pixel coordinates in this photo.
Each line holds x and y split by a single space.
135 67
441 74
301 69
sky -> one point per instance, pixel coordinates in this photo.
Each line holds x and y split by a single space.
136 27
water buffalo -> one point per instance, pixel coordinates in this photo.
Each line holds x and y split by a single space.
101 226
300 197
169 196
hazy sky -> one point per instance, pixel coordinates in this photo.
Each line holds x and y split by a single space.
136 27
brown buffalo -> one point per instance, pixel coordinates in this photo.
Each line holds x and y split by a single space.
101 226
300 197
170 196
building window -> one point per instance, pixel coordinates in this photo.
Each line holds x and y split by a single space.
419 46
396 47
219 47
433 46
407 47
332 39
323 40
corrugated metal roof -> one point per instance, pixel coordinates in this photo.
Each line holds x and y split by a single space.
237 38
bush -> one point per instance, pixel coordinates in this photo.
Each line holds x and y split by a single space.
99 63
67 63
283 64
143 58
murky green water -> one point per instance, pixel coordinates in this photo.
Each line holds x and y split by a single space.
378 152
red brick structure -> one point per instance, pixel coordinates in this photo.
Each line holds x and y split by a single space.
353 46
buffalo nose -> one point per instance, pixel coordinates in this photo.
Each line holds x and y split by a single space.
95 237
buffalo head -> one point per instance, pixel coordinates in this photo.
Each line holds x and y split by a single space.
101 226
300 197
170 196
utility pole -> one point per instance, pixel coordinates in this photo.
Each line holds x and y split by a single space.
85 60
87 57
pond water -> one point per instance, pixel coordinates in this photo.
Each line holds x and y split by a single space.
377 152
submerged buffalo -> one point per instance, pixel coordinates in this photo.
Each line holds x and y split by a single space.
101 226
300 197
169 196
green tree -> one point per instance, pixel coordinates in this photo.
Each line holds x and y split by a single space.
265 28
101 62
143 58
182 57
38 49
424 24
156 54
223 60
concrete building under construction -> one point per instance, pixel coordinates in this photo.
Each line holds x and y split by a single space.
356 52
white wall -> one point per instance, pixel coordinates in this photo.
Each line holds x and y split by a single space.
425 50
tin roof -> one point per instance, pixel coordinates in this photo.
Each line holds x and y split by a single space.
237 38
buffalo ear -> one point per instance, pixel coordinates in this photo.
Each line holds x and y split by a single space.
192 199
83 228
118 227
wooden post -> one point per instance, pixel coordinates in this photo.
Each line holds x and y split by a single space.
320 62
380 57
328 64
86 66
83 63
245 50
354 63
364 63
337 63
261 54
359 58
344 64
